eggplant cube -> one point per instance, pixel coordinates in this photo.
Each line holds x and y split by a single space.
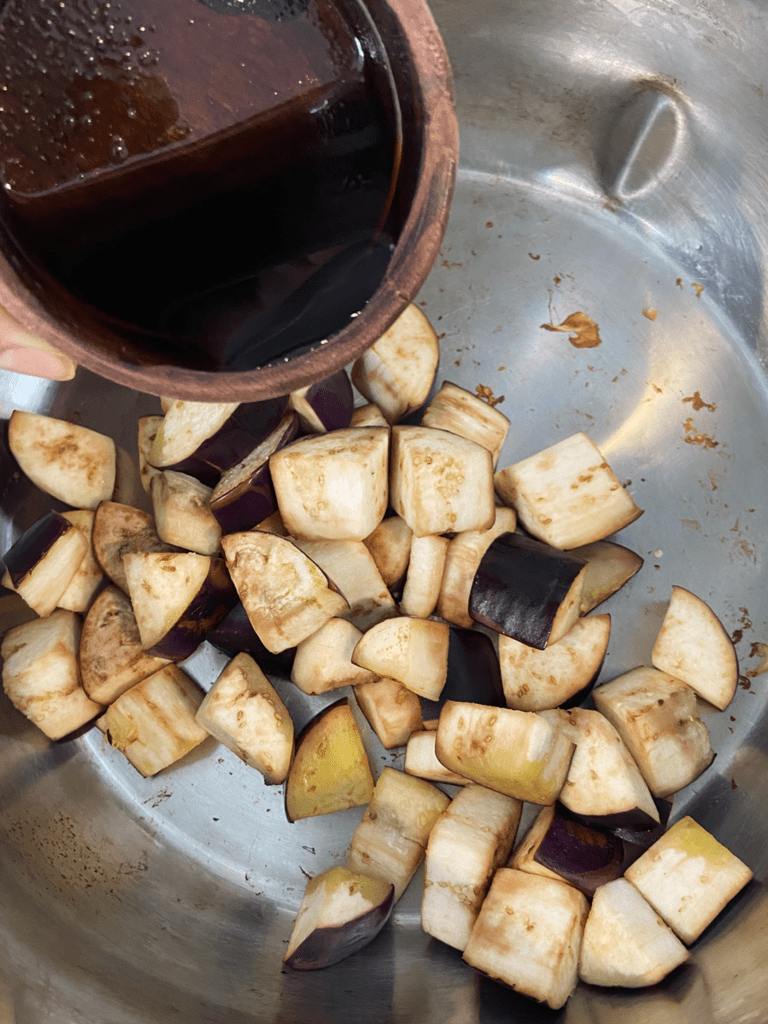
391 839
528 935
390 548
440 482
153 723
567 495
463 413
340 913
422 761
625 942
469 841
42 563
69 462
148 427
243 711
177 597
657 717
41 675
609 567
286 595
183 514
330 770
88 575
527 590
369 415
325 404
413 651
323 661
425 576
111 658
333 486
119 530
398 370
517 753
693 645
391 709
688 877
538 680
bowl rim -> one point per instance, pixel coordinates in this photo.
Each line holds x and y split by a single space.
412 259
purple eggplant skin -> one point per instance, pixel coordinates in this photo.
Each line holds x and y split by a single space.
474 675
633 825
245 429
213 600
34 544
585 857
578 698
332 400
235 634
519 586
326 946
253 499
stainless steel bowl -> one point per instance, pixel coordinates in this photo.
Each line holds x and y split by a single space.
613 162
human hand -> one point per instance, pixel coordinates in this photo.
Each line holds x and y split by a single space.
23 352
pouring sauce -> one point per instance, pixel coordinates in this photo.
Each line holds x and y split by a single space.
212 176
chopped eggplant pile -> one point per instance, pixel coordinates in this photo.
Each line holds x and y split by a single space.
446 603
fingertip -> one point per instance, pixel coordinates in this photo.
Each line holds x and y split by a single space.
36 362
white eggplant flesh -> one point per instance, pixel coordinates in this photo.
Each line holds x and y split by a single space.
41 675
440 482
422 761
657 717
333 486
693 645
119 530
688 877
391 709
243 711
352 568
528 935
425 576
459 411
469 841
465 552
177 597
323 661
625 943
398 370
609 567
413 651
330 769
390 548
391 840
537 680
567 495
369 415
153 724
341 912
517 753
604 785
67 461
111 657
148 427
286 595
182 510
88 576
43 561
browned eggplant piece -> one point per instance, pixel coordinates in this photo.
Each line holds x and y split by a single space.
325 405
118 530
527 590
473 674
41 564
557 846
425 576
183 519
640 838
111 658
72 463
177 597
413 651
459 411
235 634
323 661
422 761
609 567
205 438
41 675
341 912
369 415
390 547
286 595
244 496
391 709
88 575
148 427
330 770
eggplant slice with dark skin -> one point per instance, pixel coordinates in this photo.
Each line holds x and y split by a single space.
41 564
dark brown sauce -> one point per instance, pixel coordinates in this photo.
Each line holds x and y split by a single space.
212 175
